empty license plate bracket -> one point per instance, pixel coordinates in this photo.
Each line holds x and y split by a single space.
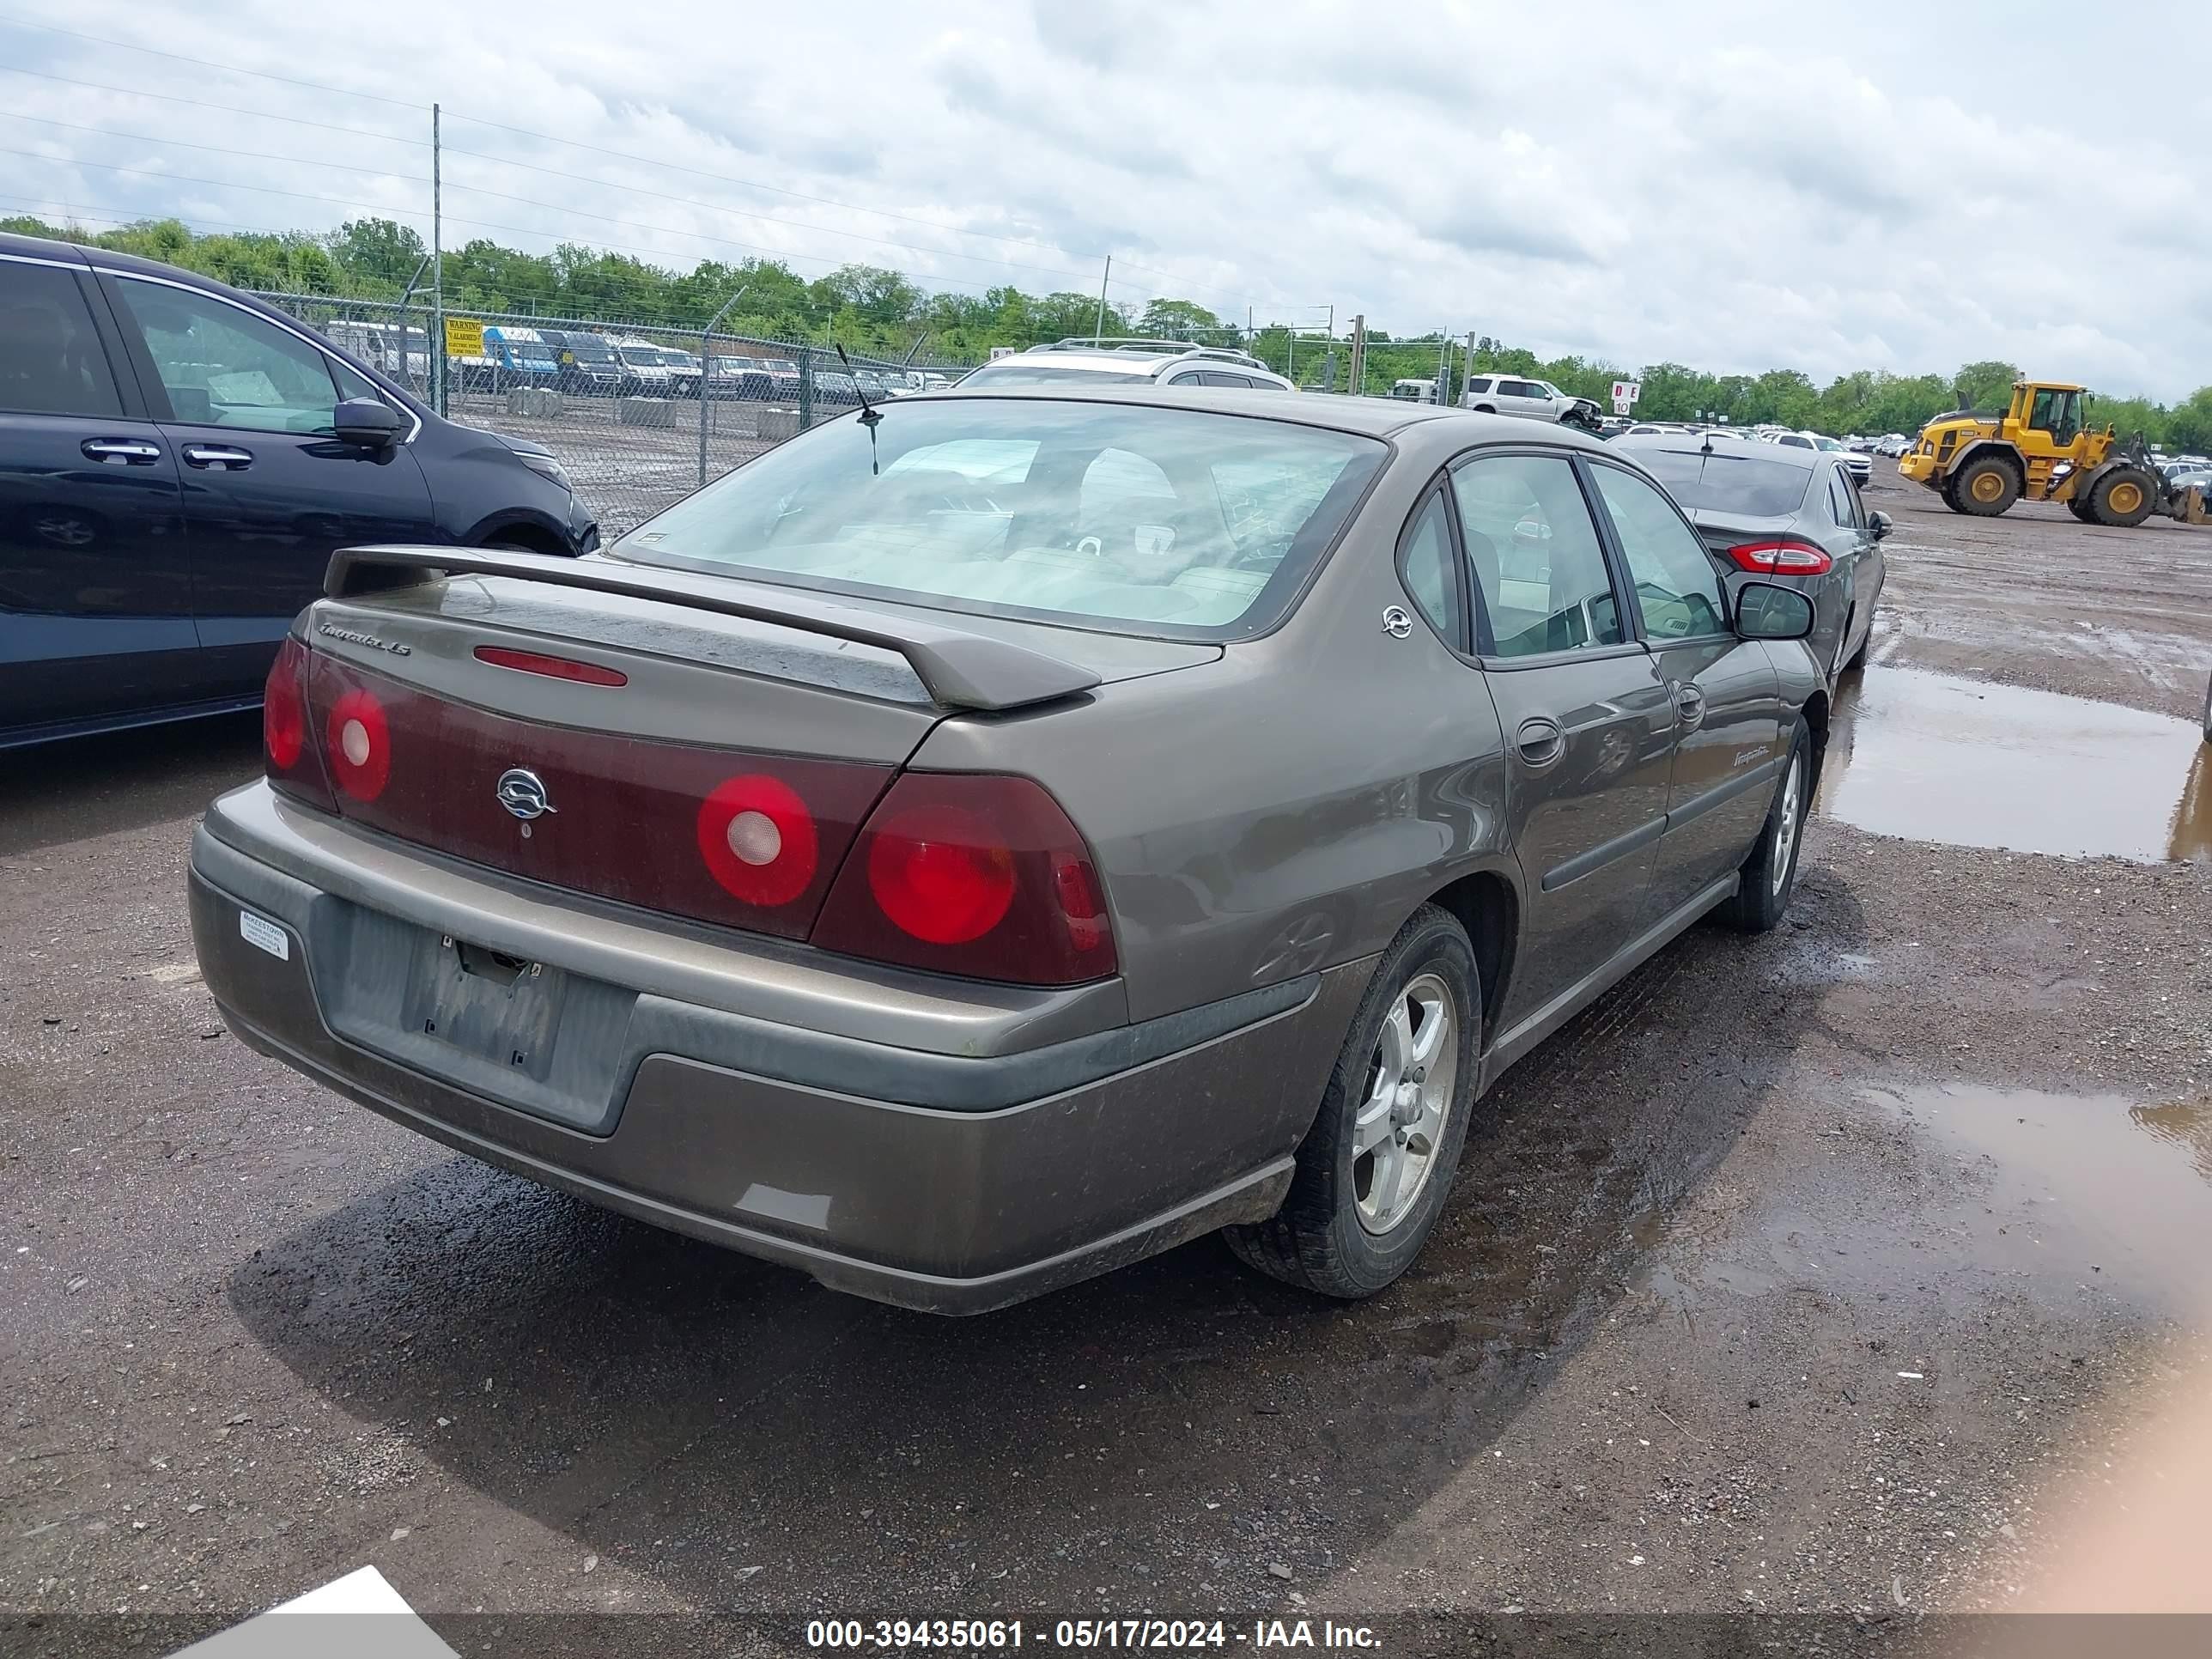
486 1003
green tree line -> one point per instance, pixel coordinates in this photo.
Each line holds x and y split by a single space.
883 314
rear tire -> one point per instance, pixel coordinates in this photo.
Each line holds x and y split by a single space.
2124 497
1857 660
1985 486
1354 1220
1770 874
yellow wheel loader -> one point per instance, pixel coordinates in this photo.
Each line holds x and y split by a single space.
2040 449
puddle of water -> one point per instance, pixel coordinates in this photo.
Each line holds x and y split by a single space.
2082 1189
2050 1194
1935 757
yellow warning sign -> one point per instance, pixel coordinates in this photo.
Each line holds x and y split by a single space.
464 337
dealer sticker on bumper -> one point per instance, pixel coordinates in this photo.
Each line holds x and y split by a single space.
256 930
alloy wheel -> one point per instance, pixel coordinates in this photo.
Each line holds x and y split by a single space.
1785 822
1411 1080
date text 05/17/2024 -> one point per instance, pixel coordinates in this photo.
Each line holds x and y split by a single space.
1164 1635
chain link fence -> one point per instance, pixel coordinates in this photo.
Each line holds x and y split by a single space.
639 415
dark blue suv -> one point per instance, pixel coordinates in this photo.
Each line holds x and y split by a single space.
178 462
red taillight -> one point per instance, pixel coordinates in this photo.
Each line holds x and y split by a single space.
292 764
758 840
284 707
559 668
939 873
972 874
726 836
1783 555
360 744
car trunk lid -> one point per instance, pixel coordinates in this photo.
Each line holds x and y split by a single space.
1722 530
705 748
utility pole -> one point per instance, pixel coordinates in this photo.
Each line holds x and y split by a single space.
437 280
1098 328
1468 379
1443 366
1359 354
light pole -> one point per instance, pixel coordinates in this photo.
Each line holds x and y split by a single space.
1291 339
707 370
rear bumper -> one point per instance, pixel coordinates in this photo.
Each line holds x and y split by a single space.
950 1181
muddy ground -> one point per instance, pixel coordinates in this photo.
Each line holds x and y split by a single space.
1792 1276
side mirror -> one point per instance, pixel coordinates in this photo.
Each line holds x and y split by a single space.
365 422
1764 611
1881 523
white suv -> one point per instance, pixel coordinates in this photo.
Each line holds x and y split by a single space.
1514 394
1133 362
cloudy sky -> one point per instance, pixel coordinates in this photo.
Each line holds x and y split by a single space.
1737 187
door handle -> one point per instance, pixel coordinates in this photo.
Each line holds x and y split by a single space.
1539 741
121 452
1691 702
218 455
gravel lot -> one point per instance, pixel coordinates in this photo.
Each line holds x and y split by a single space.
1798 1274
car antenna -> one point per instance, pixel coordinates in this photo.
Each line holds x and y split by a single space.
869 413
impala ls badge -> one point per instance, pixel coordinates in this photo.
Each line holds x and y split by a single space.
368 640
523 793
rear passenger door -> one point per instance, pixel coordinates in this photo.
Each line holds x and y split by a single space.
268 492
1525 398
95 580
1726 696
1588 727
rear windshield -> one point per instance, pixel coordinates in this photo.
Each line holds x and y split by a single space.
1749 486
1171 524
1044 373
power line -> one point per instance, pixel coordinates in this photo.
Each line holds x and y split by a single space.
643 161
619 290
666 230
112 215
226 109
774 253
662 254
204 62
740 213
219 149
798 196
218 184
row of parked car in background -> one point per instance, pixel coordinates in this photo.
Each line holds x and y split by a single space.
1855 453
2185 472
587 363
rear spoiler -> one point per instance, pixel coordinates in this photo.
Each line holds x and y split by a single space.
960 670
